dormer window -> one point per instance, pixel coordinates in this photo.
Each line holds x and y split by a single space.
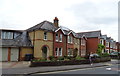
60 37
68 39
56 36
7 35
45 35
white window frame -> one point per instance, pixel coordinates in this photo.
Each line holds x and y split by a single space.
60 51
56 37
45 35
60 38
68 39
57 51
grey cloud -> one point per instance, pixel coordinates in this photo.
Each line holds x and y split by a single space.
102 13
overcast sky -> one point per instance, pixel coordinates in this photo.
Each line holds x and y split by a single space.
77 15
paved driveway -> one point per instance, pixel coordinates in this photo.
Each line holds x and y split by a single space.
20 64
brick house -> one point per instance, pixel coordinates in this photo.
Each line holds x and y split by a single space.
41 36
93 39
83 45
49 39
103 42
59 43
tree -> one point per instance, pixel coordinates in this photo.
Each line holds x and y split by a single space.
100 48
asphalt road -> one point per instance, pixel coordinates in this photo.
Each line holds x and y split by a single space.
113 69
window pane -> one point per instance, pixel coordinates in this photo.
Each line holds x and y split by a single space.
60 37
45 35
56 37
60 51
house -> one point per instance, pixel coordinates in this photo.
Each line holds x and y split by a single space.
83 45
49 39
41 36
108 40
59 43
118 46
93 39
15 45
103 42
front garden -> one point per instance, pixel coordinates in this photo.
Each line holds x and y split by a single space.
66 60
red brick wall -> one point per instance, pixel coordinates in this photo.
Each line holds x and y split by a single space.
60 44
92 45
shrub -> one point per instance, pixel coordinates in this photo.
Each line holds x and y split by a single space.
79 58
66 59
105 55
52 58
60 58
39 60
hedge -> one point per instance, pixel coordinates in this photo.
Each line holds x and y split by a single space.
71 62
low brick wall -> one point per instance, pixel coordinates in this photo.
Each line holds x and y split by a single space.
72 62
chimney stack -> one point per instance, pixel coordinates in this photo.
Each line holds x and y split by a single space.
56 21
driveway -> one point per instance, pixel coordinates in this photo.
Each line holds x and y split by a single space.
20 64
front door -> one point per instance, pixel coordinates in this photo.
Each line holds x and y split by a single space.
44 52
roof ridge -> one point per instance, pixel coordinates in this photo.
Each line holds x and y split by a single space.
90 31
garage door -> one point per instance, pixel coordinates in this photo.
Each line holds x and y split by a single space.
14 54
4 52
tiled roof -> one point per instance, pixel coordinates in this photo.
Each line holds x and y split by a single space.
104 37
21 41
90 34
45 25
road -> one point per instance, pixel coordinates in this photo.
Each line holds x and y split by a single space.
112 69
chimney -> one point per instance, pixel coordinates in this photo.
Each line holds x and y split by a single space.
56 22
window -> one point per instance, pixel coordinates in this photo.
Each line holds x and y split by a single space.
107 44
56 51
60 51
60 37
68 39
45 35
82 42
56 37
70 52
7 35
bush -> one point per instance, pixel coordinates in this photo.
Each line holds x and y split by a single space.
60 58
70 62
52 58
105 55
39 60
69 57
79 58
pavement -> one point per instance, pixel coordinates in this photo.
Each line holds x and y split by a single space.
23 67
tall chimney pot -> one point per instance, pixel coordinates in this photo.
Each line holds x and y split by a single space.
56 22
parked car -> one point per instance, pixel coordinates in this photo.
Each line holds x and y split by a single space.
114 53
